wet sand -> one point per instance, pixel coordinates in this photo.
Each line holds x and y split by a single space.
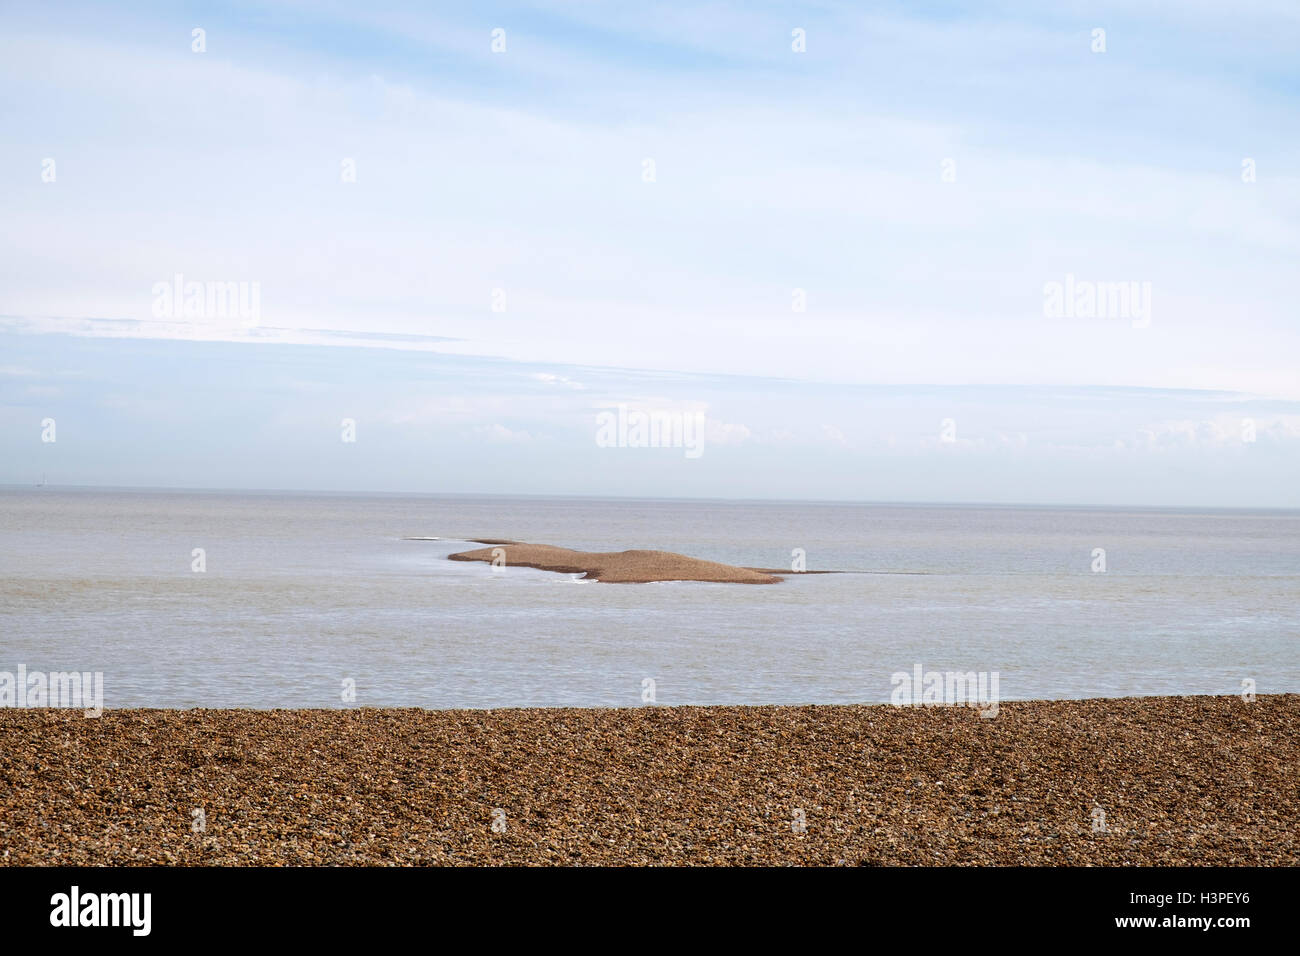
1193 780
622 567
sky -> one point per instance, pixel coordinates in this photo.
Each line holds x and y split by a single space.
830 232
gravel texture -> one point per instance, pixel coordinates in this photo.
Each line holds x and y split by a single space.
1190 780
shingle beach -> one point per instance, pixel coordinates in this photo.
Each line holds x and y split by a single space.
1134 781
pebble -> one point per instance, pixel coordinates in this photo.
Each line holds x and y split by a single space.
1181 780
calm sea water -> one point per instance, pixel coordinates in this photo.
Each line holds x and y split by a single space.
304 591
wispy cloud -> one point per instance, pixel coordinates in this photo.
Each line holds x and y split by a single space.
522 173
828 252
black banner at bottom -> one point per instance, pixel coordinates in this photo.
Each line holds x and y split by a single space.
333 906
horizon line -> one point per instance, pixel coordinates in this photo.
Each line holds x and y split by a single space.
307 492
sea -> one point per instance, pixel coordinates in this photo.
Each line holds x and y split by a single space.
186 599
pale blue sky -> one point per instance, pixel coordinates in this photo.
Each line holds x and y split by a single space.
523 171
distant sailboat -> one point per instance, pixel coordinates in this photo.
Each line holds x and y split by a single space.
41 484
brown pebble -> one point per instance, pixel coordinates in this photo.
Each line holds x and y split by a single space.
1180 780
